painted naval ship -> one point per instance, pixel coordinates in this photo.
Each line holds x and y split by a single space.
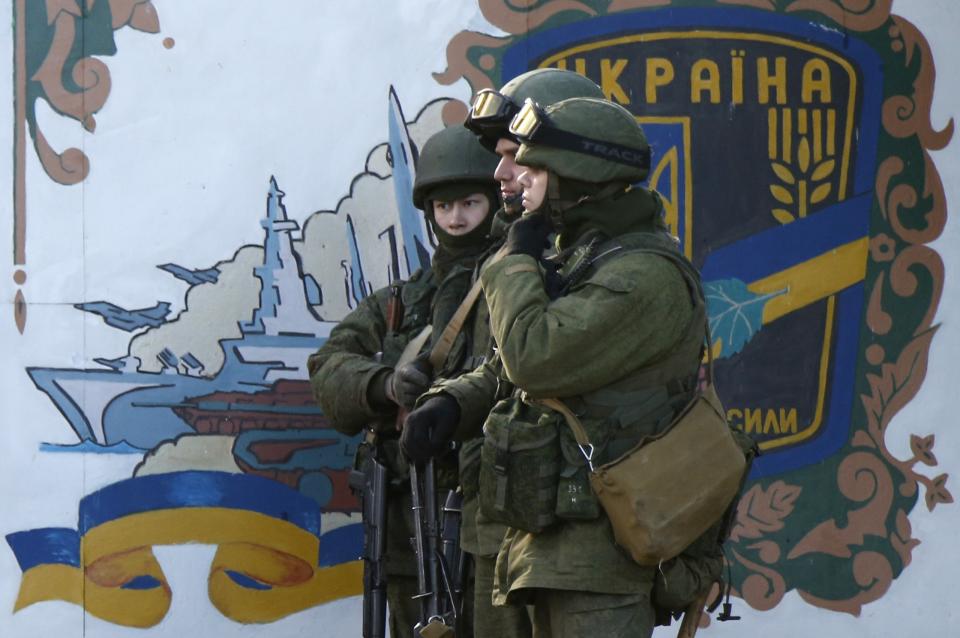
261 394
263 377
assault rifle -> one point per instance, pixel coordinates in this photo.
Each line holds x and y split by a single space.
454 558
370 482
440 561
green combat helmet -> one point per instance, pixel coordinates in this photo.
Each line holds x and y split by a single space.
593 150
453 159
491 111
585 139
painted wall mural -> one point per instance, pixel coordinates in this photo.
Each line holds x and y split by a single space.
217 400
794 148
813 249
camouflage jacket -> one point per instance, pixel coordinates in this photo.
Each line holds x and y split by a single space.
594 348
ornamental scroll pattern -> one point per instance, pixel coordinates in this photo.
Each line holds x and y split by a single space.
903 271
55 49
845 557
68 77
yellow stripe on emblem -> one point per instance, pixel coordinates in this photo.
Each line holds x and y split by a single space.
813 280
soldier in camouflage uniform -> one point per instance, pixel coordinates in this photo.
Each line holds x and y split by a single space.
612 334
353 375
489 118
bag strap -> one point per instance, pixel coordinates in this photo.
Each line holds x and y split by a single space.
579 432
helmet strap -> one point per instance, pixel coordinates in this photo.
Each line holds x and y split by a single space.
559 205
561 211
556 206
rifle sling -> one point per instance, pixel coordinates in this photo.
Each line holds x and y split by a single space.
440 350
413 346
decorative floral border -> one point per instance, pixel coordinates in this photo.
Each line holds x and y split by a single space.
903 273
74 86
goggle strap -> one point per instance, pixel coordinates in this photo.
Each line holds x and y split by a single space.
558 138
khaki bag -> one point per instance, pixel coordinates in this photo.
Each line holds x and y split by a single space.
669 488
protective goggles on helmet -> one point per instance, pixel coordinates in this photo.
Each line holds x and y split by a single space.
490 109
531 125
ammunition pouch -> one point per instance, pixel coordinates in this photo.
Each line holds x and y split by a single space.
520 466
575 498
470 468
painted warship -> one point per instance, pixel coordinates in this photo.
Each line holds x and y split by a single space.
261 394
262 383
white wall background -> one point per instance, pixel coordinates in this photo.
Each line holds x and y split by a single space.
179 167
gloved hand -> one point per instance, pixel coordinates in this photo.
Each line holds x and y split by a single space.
553 282
528 235
405 384
428 429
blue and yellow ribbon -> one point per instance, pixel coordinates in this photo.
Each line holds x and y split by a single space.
271 560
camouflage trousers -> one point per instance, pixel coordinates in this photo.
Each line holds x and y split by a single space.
559 613
511 621
404 610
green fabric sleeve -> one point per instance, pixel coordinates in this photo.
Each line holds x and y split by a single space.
474 392
627 314
377 391
342 370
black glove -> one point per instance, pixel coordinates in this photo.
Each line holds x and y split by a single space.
528 235
405 385
428 429
553 282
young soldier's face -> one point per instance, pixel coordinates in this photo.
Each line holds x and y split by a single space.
507 172
460 216
534 184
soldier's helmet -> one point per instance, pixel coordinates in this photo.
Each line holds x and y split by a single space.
491 110
585 139
453 157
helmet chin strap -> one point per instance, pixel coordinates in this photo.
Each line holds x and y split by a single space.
555 207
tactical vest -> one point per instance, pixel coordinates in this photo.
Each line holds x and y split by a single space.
645 400
429 302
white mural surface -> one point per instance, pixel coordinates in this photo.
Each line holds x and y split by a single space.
249 154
